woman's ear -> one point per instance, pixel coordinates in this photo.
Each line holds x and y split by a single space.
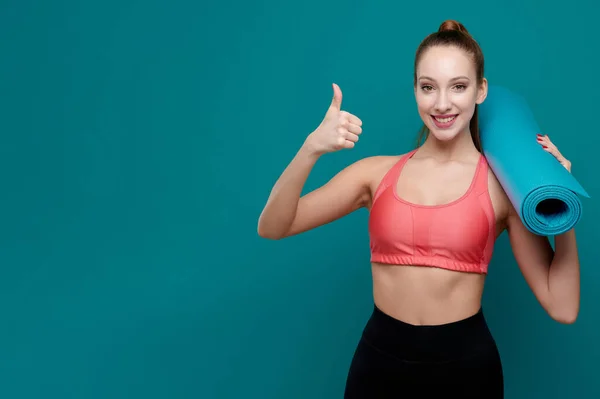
482 92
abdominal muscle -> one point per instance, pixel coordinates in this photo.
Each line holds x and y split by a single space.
423 295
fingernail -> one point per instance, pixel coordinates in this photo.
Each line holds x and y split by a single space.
539 135
544 146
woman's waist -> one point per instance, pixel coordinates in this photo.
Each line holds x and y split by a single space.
437 343
426 295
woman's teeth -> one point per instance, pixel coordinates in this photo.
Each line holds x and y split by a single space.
445 120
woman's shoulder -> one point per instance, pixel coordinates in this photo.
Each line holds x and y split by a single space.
374 169
377 164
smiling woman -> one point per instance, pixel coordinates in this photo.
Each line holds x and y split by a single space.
434 216
465 91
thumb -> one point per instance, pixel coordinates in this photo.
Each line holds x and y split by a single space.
336 102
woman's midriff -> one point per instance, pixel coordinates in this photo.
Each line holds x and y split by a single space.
426 295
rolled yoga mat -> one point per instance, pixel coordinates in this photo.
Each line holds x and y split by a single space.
544 193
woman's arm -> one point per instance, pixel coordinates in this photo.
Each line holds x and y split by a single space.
553 276
286 213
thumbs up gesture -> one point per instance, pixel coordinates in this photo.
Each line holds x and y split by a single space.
338 130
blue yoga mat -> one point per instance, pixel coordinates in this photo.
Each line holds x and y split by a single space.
543 192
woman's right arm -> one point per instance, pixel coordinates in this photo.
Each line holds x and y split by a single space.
286 212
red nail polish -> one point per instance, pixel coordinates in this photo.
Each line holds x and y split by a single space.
544 146
539 135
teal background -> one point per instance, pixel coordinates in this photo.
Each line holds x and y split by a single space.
140 141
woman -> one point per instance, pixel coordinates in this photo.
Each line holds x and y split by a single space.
434 214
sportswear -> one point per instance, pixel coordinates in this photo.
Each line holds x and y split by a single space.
456 236
394 359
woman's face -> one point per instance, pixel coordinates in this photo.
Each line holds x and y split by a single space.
447 91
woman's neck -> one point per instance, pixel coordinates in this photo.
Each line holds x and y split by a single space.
459 148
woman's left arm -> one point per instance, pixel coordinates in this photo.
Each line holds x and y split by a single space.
553 276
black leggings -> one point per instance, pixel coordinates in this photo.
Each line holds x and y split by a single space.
400 360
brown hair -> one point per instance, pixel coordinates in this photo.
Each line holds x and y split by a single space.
453 33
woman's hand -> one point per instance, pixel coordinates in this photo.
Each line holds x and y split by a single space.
549 146
338 130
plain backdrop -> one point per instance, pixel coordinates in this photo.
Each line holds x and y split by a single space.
140 140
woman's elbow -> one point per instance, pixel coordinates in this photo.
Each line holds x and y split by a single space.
268 235
565 316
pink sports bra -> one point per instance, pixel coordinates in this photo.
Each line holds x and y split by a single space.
456 236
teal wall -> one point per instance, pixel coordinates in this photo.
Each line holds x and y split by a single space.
140 140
